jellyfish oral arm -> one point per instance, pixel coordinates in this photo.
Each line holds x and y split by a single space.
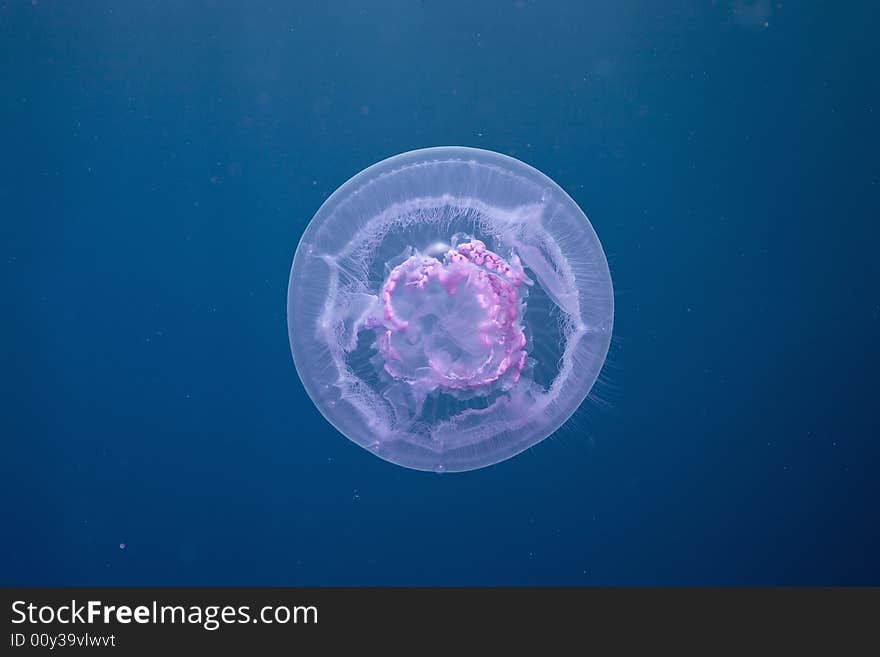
453 325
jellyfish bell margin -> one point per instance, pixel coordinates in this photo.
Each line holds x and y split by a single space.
448 308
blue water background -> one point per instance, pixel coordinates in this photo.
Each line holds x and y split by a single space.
161 159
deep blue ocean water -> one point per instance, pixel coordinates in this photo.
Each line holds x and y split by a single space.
160 161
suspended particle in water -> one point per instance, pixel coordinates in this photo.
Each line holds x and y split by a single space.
449 308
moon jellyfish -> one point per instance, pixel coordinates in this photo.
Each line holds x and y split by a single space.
449 308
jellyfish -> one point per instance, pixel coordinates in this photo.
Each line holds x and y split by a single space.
448 308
